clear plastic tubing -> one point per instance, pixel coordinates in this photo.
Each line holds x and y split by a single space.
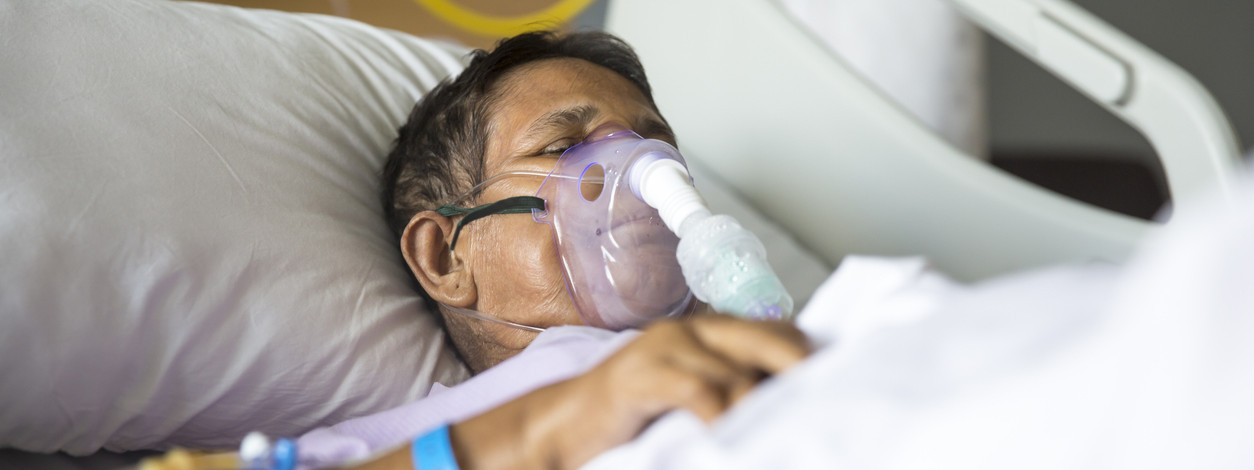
724 264
258 452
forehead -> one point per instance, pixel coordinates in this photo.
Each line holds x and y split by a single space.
525 96
569 78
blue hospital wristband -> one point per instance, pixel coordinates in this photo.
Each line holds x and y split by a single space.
433 451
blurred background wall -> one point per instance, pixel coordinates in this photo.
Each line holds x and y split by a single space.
1028 110
463 21
1002 107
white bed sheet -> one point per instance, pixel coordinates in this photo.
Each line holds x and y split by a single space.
1143 365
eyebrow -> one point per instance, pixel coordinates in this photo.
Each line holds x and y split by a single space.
580 115
564 118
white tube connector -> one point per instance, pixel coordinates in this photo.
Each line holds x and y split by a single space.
664 184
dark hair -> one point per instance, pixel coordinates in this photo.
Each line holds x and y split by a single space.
439 153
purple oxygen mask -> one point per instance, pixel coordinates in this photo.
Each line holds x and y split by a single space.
618 257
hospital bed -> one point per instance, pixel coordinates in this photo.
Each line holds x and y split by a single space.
769 111
819 150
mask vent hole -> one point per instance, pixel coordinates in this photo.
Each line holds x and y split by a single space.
592 182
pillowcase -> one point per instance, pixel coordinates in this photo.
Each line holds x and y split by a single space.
192 240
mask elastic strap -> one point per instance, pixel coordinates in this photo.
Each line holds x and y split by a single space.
509 205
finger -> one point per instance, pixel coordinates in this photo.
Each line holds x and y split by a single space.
682 389
673 345
690 353
766 345
729 380
738 390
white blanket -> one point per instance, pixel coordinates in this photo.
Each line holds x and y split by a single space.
1147 365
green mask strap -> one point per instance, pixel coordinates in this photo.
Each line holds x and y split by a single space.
510 205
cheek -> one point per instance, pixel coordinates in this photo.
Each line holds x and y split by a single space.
526 247
526 273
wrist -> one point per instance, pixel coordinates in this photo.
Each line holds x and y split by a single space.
541 419
523 433
434 451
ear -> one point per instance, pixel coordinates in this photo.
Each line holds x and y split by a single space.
441 272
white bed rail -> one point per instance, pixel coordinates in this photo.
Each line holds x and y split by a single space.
1181 120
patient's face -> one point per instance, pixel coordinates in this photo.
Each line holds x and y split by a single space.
543 108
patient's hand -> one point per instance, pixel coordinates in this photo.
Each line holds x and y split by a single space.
704 365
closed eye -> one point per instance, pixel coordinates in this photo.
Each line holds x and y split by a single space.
655 129
557 147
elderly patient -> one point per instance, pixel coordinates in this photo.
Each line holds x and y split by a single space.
495 275
491 136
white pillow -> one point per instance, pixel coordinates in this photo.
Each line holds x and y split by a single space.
191 239
191 243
